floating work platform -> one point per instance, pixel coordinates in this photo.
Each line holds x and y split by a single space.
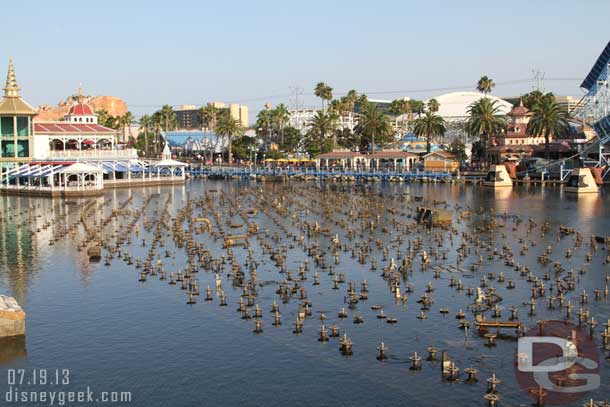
12 317
433 216
498 177
581 181
483 324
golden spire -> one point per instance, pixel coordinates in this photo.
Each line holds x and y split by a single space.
11 90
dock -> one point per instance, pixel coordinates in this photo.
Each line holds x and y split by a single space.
12 317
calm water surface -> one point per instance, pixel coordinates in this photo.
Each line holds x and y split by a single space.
114 333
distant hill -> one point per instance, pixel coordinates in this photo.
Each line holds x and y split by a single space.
113 105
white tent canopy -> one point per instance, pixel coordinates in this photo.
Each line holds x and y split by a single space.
82 168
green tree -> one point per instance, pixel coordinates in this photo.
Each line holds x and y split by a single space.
362 101
399 107
529 100
280 118
484 120
548 119
264 125
433 105
485 85
243 147
348 139
228 127
145 123
430 126
324 92
125 121
168 117
350 100
321 126
459 149
107 120
208 116
374 126
292 139
415 107
156 125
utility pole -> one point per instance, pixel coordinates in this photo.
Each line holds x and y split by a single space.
298 92
539 78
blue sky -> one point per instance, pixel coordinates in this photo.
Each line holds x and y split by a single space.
155 52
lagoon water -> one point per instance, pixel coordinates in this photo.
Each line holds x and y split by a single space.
116 334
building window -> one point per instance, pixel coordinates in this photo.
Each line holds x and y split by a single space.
22 126
23 149
8 149
6 126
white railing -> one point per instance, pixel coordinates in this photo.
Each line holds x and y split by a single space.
126 153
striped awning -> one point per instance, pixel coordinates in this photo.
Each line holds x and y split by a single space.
35 170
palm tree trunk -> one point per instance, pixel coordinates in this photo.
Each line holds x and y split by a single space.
427 144
230 149
373 143
145 142
547 149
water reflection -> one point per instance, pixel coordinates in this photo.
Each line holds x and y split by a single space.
12 349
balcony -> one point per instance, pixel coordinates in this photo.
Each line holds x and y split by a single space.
127 153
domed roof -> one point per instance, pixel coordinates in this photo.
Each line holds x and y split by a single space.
519 110
81 109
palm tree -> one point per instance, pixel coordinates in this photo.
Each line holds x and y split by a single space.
415 107
229 127
548 119
324 92
433 105
534 97
280 118
485 85
208 116
398 107
125 121
485 119
263 126
350 100
374 123
431 126
169 117
321 125
156 121
145 122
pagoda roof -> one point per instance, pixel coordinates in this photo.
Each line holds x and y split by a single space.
16 106
12 104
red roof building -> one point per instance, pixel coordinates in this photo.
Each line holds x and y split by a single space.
81 109
71 128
